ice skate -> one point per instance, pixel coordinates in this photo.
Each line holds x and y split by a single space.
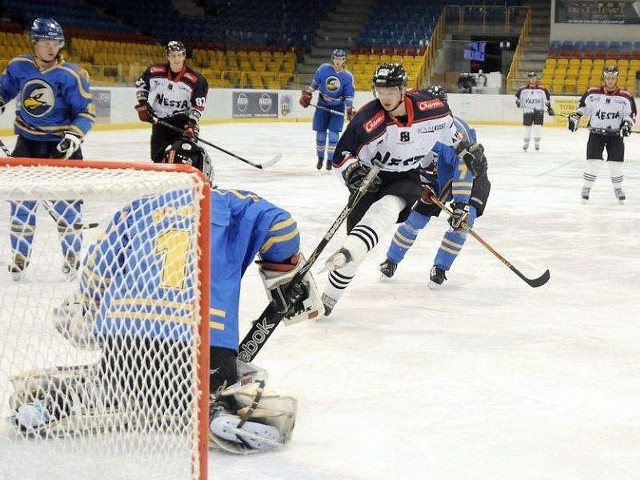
437 277
585 194
70 265
620 195
328 165
329 304
319 164
17 267
525 147
388 269
537 146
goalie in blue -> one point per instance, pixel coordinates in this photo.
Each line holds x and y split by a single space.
132 294
446 175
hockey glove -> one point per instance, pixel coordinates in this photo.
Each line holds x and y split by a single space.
1 106
68 145
305 98
350 113
191 131
473 156
460 213
625 129
574 121
355 174
550 111
145 112
518 102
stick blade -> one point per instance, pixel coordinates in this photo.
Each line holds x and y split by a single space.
541 280
271 161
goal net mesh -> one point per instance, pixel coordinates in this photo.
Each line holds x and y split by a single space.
101 357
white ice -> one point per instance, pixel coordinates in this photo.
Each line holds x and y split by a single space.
486 378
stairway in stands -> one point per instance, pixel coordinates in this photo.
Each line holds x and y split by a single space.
339 30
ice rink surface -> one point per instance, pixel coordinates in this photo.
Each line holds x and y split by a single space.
484 379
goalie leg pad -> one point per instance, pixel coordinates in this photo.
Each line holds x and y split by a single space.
277 277
262 421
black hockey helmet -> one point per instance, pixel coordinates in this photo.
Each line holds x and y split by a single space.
438 91
531 74
389 75
610 70
187 152
175 46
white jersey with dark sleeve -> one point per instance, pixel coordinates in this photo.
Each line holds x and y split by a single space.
533 98
607 110
170 94
374 134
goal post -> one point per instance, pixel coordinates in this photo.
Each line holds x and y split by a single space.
104 314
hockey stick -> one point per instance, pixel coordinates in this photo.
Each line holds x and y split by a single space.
335 112
5 149
264 326
533 282
61 222
268 163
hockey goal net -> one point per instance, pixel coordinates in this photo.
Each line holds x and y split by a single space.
103 320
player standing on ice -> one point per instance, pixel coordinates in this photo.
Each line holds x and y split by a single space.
398 128
447 177
115 293
172 92
533 98
612 112
335 100
54 112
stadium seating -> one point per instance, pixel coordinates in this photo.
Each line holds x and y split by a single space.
573 66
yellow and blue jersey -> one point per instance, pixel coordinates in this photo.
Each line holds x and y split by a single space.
138 275
50 101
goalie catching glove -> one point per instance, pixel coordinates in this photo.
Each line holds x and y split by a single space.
473 156
297 302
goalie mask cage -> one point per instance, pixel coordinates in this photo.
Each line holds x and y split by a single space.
112 383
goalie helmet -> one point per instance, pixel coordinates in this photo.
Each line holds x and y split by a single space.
338 54
46 29
186 152
389 75
175 46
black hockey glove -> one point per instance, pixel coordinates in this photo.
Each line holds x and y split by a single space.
473 156
1 106
550 111
355 174
573 121
460 213
518 104
625 129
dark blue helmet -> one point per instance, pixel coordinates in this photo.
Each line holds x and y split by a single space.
339 54
46 29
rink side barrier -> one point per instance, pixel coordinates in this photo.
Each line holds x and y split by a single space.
115 108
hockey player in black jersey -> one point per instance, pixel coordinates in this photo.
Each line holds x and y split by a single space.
398 129
174 93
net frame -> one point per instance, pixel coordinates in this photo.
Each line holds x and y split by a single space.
10 191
